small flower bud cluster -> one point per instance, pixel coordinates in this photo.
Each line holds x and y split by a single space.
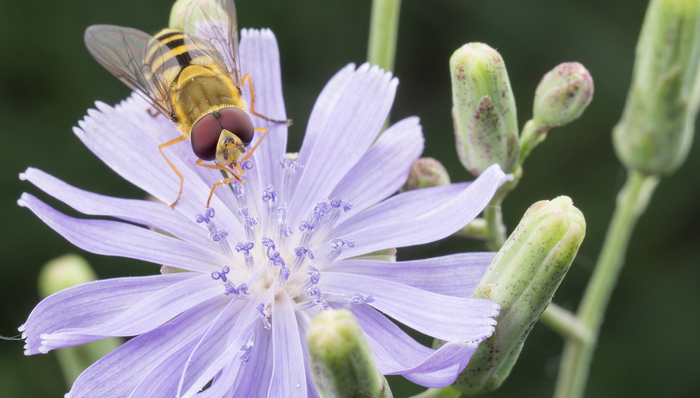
484 112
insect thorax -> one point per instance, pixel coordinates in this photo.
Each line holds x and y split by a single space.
200 90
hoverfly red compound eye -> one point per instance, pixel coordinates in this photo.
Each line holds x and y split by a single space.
238 122
205 137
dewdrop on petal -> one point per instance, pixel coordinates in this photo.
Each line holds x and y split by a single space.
522 279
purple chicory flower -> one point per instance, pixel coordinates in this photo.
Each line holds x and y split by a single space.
267 255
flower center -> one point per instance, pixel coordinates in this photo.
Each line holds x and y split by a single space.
273 258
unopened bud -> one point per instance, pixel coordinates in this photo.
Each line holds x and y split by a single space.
563 94
64 272
61 273
342 363
426 172
522 278
485 118
180 8
657 125
561 97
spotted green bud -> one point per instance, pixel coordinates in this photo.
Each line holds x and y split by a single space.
179 10
426 172
61 273
561 97
563 94
342 363
485 118
657 125
522 278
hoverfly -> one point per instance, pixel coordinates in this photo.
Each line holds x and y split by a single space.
192 77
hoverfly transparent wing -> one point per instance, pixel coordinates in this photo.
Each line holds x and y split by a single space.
212 24
138 60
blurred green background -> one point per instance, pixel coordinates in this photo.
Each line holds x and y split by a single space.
649 343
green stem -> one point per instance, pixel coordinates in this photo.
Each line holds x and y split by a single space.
565 323
631 203
494 222
383 28
446 392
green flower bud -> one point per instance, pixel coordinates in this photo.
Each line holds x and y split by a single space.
563 94
342 364
485 118
61 273
561 97
522 278
64 272
657 125
177 13
426 172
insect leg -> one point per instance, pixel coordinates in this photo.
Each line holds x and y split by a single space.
247 78
214 166
182 179
235 177
250 152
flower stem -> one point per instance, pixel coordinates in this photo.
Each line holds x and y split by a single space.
384 25
565 323
446 392
631 203
494 222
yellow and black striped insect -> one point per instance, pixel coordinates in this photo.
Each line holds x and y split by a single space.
191 76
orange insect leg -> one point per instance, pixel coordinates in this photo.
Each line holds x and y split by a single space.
182 179
236 177
247 78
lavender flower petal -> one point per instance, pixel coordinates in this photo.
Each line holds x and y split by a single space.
120 372
398 354
454 275
289 370
421 226
257 372
142 212
260 58
400 206
244 325
351 128
384 168
212 344
89 303
323 108
143 316
119 239
439 316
